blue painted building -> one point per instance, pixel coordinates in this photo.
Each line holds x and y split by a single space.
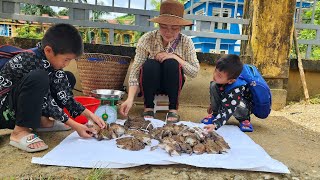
5 29
220 8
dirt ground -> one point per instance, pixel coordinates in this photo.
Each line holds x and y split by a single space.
291 136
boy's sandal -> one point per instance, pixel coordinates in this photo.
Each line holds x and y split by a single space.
27 140
57 126
172 115
208 119
246 126
148 113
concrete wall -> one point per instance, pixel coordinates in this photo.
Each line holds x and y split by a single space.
196 91
294 85
295 90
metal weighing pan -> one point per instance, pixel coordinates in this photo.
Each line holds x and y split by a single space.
107 93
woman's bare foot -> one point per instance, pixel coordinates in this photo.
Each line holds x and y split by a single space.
19 132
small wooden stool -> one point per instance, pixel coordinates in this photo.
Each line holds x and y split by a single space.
161 103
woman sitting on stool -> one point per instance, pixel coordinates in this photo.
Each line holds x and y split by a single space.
162 58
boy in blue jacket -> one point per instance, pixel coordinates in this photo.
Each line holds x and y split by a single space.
226 102
33 87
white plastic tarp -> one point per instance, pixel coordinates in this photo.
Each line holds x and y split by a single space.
244 154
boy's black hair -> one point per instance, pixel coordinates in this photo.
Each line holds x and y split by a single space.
63 38
230 64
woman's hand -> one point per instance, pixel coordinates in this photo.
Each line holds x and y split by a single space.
125 107
162 56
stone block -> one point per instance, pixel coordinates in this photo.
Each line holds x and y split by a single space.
279 98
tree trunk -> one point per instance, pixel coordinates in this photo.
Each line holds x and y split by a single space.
245 49
271 40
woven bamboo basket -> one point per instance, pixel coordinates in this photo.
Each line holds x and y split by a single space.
102 71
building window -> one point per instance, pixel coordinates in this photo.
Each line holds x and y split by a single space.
104 38
220 52
200 12
212 51
9 31
2 30
197 23
92 37
126 38
224 52
198 50
38 30
236 48
218 12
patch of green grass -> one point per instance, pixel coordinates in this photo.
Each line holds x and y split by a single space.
9 178
315 99
98 173
290 103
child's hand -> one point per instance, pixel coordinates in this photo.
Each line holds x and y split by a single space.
209 110
101 123
210 127
84 131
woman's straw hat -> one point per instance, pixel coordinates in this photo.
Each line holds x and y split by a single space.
171 13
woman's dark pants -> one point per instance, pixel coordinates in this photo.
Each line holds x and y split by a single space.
161 78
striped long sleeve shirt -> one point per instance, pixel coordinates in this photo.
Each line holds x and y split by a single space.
150 44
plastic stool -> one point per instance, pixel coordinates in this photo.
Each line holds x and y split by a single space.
161 102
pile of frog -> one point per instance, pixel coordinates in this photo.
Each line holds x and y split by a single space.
136 134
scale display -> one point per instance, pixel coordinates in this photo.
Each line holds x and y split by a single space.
108 99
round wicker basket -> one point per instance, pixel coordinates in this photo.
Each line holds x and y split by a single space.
102 71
